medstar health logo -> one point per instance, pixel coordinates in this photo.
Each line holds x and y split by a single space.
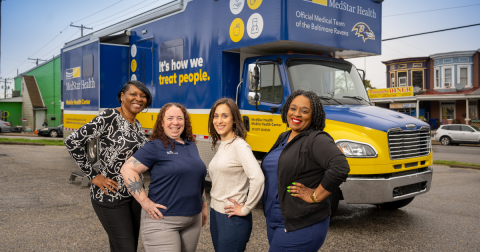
363 31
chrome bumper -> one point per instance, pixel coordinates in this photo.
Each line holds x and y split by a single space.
374 190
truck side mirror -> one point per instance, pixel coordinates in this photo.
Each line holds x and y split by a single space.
256 77
362 75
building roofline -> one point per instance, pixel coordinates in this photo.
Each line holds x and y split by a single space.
405 60
31 69
453 54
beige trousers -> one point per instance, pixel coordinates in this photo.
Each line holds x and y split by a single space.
171 234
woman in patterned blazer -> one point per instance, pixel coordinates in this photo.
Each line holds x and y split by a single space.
120 135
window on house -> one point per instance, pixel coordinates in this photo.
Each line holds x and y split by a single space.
448 110
448 76
402 79
417 64
464 75
402 66
392 80
417 79
437 77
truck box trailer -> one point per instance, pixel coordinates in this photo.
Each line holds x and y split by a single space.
196 51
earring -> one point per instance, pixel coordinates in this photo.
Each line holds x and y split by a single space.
145 111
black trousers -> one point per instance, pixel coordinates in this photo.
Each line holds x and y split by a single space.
121 221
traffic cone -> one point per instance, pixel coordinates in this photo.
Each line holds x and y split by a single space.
36 132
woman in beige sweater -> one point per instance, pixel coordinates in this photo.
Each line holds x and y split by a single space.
234 172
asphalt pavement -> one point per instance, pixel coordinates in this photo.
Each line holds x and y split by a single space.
461 153
41 211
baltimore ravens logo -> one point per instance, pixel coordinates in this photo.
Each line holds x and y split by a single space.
362 30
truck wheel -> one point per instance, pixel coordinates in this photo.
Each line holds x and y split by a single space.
445 140
91 149
396 204
334 200
53 133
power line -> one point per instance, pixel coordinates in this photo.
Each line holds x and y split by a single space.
409 44
97 12
119 13
431 10
423 33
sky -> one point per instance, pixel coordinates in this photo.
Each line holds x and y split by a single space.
39 29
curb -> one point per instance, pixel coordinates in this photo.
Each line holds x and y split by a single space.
465 166
22 143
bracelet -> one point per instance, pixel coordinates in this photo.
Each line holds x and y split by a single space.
314 197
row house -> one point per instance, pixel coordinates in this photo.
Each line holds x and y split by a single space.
443 88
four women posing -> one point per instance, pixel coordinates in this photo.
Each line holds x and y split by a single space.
303 167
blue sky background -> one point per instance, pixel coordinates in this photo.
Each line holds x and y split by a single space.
31 28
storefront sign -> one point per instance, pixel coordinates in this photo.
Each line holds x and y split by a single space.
402 105
390 92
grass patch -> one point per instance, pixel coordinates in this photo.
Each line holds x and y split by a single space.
444 162
21 140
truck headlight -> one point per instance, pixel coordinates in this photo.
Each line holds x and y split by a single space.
354 149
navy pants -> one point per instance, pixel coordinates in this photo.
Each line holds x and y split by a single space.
230 234
303 240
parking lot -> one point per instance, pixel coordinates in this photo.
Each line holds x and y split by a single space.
41 211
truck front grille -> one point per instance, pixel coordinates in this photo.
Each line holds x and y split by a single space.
409 143
413 188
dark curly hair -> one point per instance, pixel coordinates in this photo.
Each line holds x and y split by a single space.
238 126
159 132
318 114
140 86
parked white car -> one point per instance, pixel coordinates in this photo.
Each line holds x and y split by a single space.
457 134
4 127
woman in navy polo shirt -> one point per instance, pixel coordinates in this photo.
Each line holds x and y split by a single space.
176 208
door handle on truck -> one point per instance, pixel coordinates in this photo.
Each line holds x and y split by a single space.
246 122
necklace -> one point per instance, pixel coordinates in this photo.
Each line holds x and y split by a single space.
124 117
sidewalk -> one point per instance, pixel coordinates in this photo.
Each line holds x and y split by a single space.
27 136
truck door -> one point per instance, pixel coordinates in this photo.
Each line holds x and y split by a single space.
263 121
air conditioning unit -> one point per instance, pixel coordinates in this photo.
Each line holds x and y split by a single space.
448 84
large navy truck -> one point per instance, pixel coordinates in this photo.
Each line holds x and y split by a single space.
257 52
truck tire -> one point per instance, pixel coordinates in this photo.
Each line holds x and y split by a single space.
445 140
91 149
53 133
334 200
396 204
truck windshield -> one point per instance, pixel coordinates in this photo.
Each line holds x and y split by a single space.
335 82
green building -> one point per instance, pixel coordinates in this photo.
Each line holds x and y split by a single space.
36 98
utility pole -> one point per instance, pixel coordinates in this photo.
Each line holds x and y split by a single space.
81 28
37 60
1 31
5 87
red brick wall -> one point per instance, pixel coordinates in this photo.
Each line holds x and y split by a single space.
435 110
460 108
432 79
476 70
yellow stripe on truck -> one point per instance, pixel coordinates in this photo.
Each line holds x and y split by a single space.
75 121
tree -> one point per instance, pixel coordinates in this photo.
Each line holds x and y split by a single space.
368 85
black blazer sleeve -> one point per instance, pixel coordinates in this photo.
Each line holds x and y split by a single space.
328 156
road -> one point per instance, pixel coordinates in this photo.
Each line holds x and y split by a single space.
41 211
461 153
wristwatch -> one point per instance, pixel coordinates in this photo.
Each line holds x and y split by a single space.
314 198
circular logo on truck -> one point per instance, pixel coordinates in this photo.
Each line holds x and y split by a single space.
134 65
255 25
237 28
254 4
236 6
134 51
